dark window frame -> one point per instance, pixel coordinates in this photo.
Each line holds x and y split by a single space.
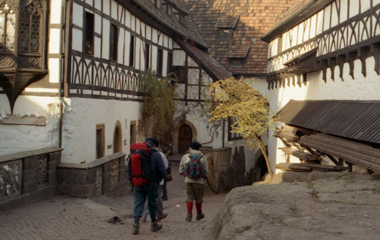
114 39
181 73
160 59
89 33
132 51
147 56
225 34
100 141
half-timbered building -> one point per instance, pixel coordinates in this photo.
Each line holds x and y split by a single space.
323 79
70 77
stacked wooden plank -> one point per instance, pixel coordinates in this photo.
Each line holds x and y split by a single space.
350 151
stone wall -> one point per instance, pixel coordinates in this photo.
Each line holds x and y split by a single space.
28 176
227 170
105 175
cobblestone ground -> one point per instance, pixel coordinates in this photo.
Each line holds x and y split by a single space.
71 218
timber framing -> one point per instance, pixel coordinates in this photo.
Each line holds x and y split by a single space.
357 38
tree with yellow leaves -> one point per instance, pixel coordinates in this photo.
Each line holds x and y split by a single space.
237 100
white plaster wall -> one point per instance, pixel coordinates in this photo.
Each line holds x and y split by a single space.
77 40
179 58
79 126
77 15
120 50
106 38
359 88
98 4
114 10
126 48
193 76
153 61
56 12
16 138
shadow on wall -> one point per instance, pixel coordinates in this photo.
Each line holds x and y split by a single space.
226 174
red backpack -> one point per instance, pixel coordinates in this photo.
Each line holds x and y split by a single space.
139 165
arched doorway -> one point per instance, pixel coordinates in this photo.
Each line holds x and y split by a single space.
117 142
185 137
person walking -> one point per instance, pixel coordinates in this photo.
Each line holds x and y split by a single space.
160 208
164 188
150 191
194 187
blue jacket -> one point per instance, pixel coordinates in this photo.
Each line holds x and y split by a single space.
157 169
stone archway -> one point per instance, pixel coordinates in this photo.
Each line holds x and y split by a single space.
117 138
183 136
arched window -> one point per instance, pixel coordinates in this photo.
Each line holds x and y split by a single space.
30 27
23 43
117 138
7 28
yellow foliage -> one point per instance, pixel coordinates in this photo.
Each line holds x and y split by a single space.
237 100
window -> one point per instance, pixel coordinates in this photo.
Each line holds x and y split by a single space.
181 73
89 35
117 139
147 54
132 52
236 62
30 24
99 140
159 61
113 42
225 34
7 29
226 25
132 132
170 61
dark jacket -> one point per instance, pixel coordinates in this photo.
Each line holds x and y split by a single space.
157 169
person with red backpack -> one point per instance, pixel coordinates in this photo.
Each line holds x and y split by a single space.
194 168
146 169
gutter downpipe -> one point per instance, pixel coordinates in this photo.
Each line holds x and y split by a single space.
61 61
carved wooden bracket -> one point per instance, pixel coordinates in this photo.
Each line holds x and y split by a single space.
362 55
375 51
341 60
351 56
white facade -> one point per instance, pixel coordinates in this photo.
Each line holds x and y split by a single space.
100 92
334 29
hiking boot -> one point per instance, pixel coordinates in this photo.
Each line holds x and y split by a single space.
164 215
154 227
188 217
200 216
135 228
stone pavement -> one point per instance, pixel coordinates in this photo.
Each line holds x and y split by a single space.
81 219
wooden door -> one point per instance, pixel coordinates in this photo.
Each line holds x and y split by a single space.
185 137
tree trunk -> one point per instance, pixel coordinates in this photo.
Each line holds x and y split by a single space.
264 152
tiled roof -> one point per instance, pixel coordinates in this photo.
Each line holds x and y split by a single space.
187 29
227 21
209 64
357 120
255 19
239 51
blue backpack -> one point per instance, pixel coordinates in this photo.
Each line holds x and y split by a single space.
194 167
